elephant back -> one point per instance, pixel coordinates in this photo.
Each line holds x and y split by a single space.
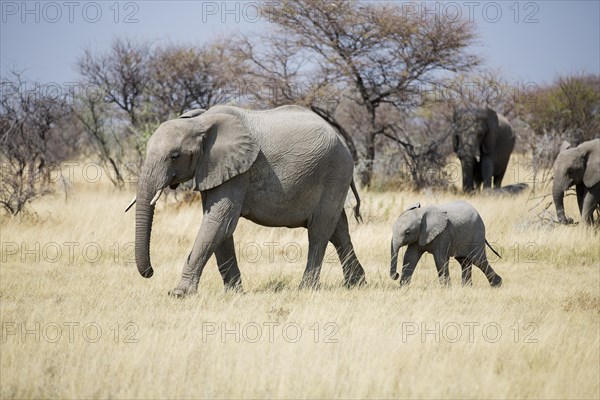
467 225
291 137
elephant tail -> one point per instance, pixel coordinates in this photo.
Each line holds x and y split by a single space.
491 248
357 207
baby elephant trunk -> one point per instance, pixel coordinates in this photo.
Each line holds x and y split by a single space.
393 274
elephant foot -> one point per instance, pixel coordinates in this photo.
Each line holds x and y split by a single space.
566 221
177 293
404 282
235 288
496 281
356 282
309 284
182 291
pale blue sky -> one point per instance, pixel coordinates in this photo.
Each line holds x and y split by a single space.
565 38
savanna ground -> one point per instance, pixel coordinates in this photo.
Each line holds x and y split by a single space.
79 322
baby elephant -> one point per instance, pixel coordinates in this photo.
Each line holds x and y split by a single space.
450 230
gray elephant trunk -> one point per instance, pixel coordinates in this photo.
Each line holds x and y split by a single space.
468 166
143 229
144 215
393 274
559 187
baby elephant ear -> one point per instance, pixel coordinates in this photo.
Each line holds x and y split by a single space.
228 150
413 206
564 146
193 113
433 223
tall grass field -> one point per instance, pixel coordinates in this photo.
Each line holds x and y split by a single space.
78 321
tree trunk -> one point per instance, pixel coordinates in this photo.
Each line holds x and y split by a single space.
366 173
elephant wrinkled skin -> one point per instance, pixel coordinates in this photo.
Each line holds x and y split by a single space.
579 166
284 167
483 140
450 230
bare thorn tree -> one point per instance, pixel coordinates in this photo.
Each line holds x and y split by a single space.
30 141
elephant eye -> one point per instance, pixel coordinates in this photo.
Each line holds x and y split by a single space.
407 232
175 156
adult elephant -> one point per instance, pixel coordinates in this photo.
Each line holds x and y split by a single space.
579 166
483 141
284 167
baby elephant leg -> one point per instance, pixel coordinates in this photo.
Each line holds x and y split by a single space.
411 258
466 267
493 278
441 263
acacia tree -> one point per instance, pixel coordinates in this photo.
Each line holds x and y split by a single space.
373 53
186 77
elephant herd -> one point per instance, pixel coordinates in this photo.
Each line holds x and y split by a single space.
287 167
483 140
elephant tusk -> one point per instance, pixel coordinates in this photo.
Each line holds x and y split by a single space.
130 204
156 197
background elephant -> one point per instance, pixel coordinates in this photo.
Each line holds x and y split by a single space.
579 166
282 167
450 230
483 141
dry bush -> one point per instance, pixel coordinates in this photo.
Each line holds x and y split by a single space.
567 110
32 140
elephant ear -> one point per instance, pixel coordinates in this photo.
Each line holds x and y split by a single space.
228 150
489 138
433 223
193 113
591 175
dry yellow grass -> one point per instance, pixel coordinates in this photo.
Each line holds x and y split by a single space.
105 332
